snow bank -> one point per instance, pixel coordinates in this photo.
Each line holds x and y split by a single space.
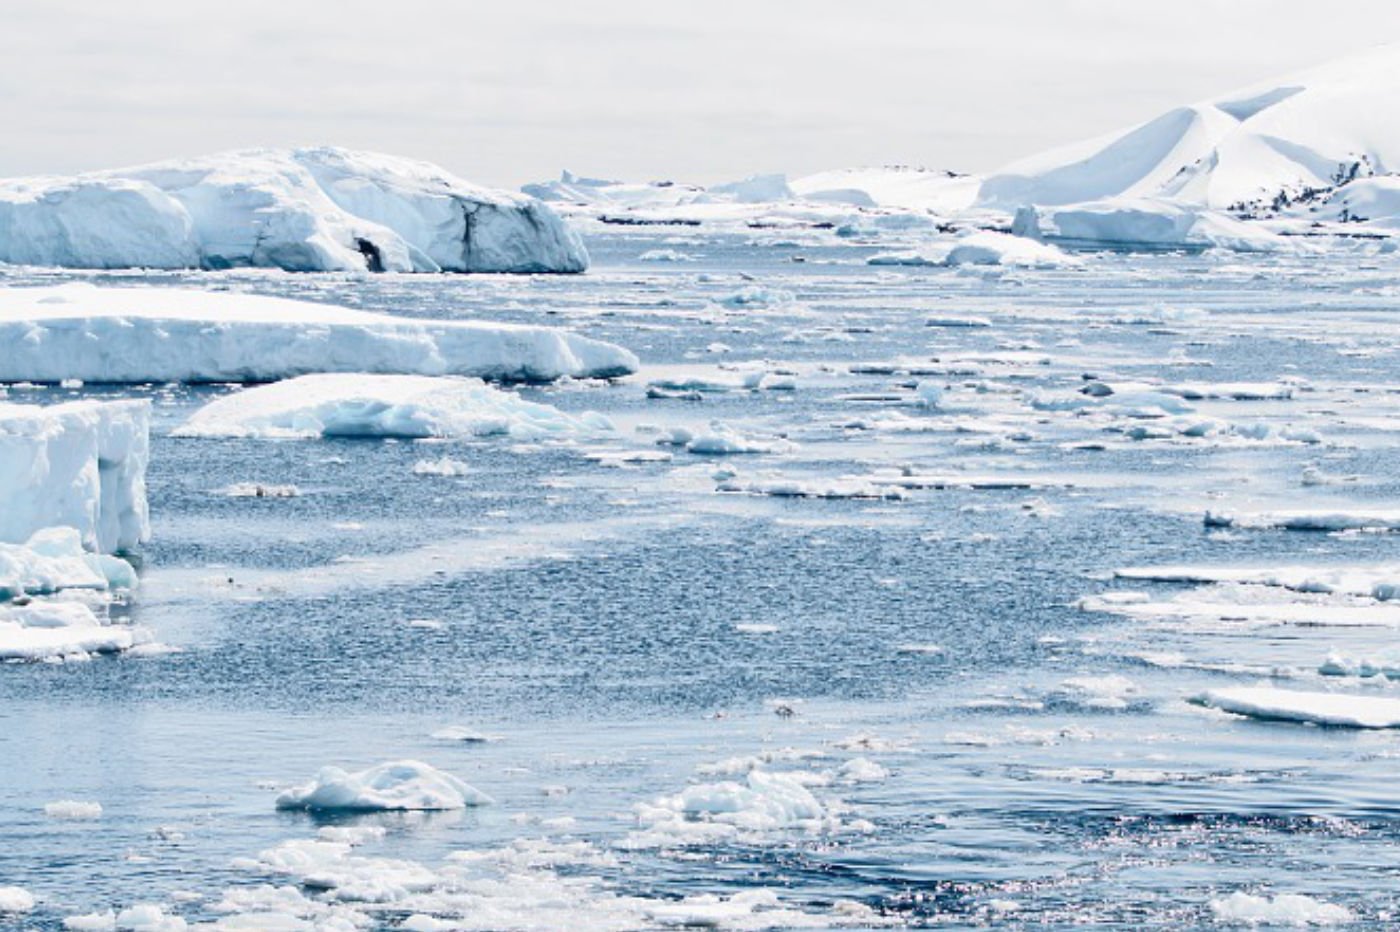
78 331
398 785
303 210
360 405
1285 909
1283 705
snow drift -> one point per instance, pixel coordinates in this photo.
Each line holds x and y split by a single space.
80 465
360 405
78 331
303 210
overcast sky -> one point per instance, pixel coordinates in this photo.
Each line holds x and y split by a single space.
514 90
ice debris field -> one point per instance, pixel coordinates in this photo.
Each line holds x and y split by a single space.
885 548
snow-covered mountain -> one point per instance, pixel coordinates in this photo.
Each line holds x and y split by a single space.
1257 151
322 209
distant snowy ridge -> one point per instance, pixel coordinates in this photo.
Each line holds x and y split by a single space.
1289 149
80 465
175 335
303 210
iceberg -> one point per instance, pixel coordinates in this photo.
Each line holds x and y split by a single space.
302 210
363 405
132 335
80 465
398 785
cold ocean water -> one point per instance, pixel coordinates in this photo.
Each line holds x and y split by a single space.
852 681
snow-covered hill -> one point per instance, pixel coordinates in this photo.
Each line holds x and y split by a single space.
322 209
1266 149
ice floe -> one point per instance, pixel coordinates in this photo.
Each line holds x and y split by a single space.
1283 909
77 330
397 785
363 405
1270 703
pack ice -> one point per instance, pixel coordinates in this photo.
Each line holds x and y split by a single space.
79 331
303 210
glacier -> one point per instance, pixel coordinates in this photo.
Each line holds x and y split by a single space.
302 210
133 335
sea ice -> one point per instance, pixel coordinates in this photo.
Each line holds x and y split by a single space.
398 785
1283 705
363 405
1284 909
129 335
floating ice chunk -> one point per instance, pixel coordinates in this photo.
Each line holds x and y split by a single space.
323 209
755 628
179 335
53 559
15 900
987 247
383 406
59 631
757 296
930 394
1150 224
837 488
1373 519
722 440
259 490
444 466
1386 664
463 734
148 917
1285 909
1112 691
765 802
73 809
91 922
861 770
925 650
665 255
81 465
1283 705
958 321
398 785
